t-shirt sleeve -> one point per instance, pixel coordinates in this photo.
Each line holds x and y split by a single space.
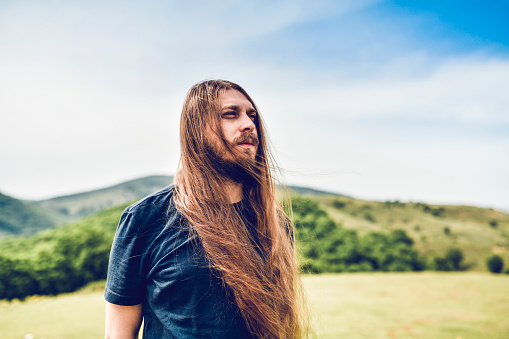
125 284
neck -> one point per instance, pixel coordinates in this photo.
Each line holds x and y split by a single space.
233 191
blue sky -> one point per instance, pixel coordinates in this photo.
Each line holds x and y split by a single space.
376 99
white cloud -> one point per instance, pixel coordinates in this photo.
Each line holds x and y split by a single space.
328 135
465 90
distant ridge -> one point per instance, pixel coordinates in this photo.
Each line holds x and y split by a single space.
76 206
139 184
307 190
27 217
21 218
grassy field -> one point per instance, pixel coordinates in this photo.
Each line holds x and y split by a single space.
364 305
410 305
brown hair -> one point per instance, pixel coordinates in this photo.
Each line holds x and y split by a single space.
266 285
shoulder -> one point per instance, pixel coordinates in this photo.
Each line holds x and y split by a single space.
150 213
153 202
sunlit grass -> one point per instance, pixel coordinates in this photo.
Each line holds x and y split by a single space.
409 305
364 305
70 316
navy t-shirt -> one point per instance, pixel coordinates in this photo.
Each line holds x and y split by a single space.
158 262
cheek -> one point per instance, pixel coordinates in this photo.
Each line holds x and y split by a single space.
229 131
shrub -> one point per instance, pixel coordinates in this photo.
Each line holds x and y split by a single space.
388 253
395 203
455 258
447 230
495 263
441 264
369 217
400 236
438 212
338 204
493 223
452 261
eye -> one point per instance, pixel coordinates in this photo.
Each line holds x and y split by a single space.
229 115
252 115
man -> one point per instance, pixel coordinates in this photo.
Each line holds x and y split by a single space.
211 256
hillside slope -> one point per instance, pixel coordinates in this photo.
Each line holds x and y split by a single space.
80 205
21 218
478 232
27 217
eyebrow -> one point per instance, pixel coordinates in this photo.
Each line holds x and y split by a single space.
236 108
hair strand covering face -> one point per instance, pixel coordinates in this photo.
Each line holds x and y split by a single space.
267 287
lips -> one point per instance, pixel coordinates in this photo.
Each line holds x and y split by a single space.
246 143
247 140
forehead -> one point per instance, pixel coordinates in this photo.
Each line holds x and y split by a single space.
232 97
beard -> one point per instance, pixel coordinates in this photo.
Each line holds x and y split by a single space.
240 170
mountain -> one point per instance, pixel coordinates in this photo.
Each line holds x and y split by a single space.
80 205
311 191
21 218
27 217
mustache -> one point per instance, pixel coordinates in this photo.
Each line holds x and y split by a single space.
247 137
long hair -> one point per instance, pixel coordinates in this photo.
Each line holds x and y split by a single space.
265 282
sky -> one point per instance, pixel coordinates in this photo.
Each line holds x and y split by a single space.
379 100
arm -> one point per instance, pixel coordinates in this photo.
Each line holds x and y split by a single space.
122 321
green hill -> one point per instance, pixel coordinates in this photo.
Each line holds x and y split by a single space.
27 217
21 218
478 232
77 206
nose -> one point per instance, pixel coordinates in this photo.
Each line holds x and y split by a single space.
246 124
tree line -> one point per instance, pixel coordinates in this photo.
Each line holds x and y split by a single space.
58 260
328 247
66 258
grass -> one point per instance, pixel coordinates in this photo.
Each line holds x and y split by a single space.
363 305
78 315
409 305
